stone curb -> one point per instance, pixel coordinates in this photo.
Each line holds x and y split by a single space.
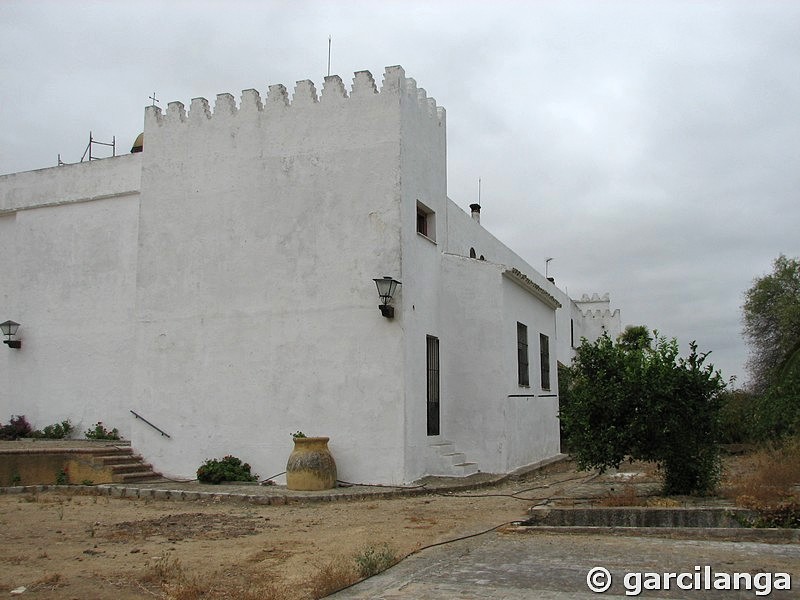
722 534
344 494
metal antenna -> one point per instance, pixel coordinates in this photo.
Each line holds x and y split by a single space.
329 56
479 190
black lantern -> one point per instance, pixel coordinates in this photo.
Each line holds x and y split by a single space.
386 287
9 329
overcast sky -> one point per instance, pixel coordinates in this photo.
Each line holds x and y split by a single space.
651 148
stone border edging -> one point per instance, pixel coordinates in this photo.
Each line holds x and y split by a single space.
340 494
722 534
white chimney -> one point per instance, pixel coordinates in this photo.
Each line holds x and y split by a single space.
476 212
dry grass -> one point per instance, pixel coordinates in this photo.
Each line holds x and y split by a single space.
629 496
766 478
332 577
51 581
626 497
420 522
166 578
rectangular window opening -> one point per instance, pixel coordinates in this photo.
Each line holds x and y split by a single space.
422 222
522 355
426 221
544 354
572 333
432 356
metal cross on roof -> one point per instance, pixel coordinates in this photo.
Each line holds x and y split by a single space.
153 98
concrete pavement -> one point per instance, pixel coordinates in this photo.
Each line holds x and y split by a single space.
517 566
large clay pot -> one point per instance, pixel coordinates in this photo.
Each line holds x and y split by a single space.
311 466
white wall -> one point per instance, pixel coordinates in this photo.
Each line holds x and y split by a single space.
79 182
261 232
587 318
221 285
72 261
423 168
496 422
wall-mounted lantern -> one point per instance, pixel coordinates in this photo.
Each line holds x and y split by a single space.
9 329
386 287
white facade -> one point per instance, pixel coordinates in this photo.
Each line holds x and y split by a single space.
220 284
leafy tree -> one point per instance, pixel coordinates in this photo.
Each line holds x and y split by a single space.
771 316
778 408
17 427
646 403
739 414
635 337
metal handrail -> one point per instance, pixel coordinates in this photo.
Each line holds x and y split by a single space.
159 430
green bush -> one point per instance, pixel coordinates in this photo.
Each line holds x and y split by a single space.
785 516
99 432
371 561
778 409
738 417
58 431
229 468
17 427
646 403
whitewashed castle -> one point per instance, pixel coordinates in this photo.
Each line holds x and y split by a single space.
220 284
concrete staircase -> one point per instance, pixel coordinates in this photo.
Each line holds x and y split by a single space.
124 465
44 462
444 460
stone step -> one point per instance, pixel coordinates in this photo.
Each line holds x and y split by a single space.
133 467
444 447
141 475
450 463
118 459
466 469
456 457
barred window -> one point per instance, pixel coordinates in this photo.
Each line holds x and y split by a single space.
544 355
522 355
433 384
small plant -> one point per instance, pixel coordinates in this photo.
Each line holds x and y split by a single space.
99 432
371 561
62 478
87 482
332 577
17 427
298 434
16 479
229 468
58 431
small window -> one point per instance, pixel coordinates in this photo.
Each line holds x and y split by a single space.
572 333
433 384
426 221
544 355
522 355
422 222
472 253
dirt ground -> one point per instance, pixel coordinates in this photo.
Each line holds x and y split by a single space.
68 545
60 545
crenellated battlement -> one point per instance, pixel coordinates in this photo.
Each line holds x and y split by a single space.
595 298
601 313
305 96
